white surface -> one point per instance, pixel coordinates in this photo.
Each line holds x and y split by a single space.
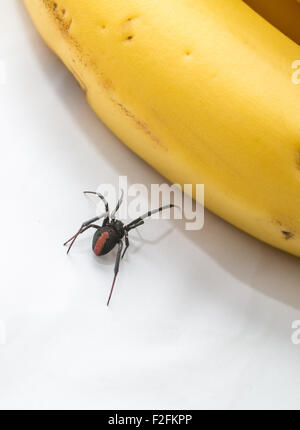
198 320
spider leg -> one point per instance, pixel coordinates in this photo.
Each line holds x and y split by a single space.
113 214
137 224
104 201
133 223
116 270
85 224
126 243
82 230
126 235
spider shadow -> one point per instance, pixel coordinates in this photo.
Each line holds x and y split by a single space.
138 241
263 268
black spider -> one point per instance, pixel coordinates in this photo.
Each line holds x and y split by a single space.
111 232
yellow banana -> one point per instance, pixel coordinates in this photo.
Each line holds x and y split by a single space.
200 89
284 14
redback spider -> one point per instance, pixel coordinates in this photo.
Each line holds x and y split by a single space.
111 232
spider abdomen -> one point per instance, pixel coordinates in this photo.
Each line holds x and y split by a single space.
105 239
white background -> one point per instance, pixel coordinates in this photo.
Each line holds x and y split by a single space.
198 319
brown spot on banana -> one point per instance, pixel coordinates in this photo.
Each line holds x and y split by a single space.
140 124
60 14
287 234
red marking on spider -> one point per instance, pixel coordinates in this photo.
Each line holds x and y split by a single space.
101 242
